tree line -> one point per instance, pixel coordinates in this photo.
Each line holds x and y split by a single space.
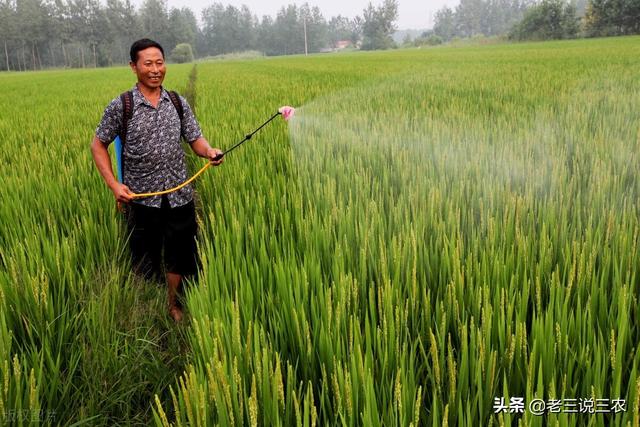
536 20
36 34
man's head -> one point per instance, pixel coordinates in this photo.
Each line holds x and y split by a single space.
147 62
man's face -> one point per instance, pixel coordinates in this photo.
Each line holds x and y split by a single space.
149 67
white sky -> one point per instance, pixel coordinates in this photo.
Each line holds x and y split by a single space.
412 14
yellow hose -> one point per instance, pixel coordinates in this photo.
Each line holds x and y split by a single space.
171 190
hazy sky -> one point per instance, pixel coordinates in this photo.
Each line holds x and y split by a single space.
412 14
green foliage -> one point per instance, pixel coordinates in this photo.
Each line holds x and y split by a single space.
612 17
182 53
183 24
237 56
226 29
473 17
341 28
444 26
97 343
458 227
431 40
378 25
548 20
154 19
460 224
36 34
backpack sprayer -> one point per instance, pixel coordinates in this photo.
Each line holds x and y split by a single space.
286 111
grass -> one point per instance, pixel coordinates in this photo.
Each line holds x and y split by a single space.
434 229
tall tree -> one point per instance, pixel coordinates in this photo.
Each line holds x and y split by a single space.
211 21
470 15
356 29
81 31
474 17
266 37
8 30
154 17
288 31
63 24
227 29
550 19
249 28
183 25
444 25
98 33
124 27
612 17
340 28
316 27
32 17
378 25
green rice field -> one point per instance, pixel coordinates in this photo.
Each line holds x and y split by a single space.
436 234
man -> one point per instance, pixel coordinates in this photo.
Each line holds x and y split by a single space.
153 160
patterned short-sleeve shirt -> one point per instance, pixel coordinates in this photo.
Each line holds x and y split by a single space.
153 157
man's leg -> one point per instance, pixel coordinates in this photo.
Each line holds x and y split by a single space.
145 240
173 282
180 252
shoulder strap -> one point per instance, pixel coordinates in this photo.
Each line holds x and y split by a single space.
127 113
175 99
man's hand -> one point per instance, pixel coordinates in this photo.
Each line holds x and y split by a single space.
122 193
202 148
212 153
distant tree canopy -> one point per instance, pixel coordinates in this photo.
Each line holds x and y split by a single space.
612 17
341 28
445 24
538 19
90 33
475 17
378 25
551 19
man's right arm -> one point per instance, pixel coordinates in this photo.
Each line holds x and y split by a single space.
103 162
107 130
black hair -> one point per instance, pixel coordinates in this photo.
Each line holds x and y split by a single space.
143 44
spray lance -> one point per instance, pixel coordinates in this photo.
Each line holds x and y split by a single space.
285 111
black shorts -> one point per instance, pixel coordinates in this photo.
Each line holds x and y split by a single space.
153 231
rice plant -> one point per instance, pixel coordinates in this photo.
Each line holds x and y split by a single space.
435 229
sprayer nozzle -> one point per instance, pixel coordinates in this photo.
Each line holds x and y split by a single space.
287 112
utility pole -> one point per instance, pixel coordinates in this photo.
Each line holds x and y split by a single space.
304 23
6 55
